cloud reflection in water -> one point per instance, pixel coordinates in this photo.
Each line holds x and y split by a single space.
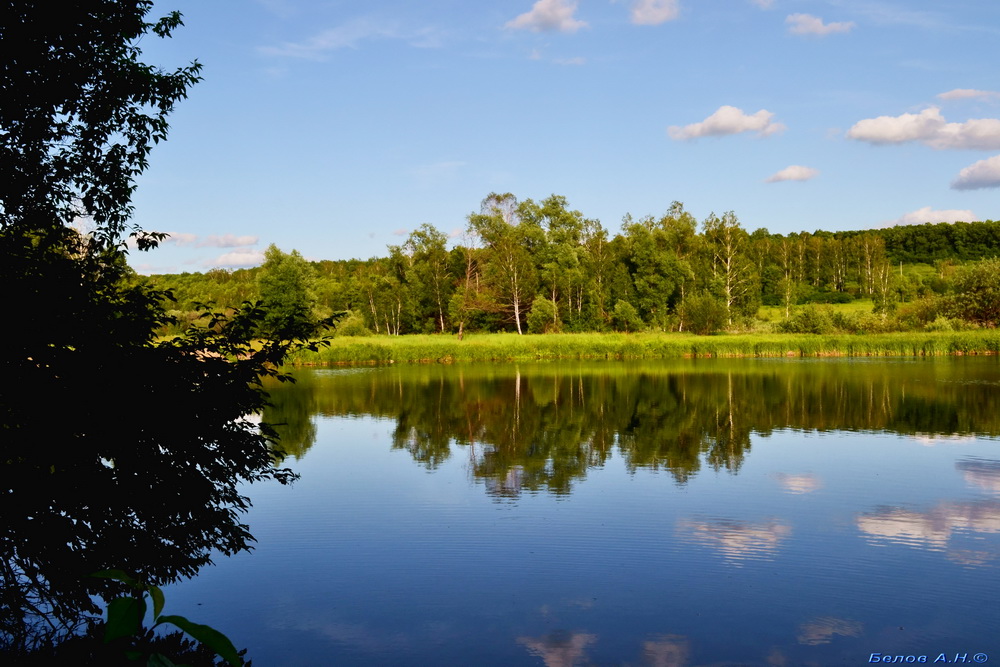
737 541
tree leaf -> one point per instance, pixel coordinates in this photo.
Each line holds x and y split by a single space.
117 575
124 618
208 636
158 600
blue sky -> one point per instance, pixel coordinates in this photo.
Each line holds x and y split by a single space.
336 128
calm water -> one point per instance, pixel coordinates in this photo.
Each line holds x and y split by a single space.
778 512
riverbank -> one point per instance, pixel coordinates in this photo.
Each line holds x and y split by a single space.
511 347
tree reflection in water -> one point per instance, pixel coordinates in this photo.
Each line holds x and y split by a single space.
531 428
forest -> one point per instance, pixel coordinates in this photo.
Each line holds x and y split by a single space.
540 267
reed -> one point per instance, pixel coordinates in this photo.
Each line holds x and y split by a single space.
511 347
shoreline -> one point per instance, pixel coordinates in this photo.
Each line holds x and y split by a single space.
502 348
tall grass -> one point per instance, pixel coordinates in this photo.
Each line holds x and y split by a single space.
511 347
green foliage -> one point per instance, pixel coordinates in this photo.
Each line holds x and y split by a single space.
510 347
543 316
285 284
625 317
429 273
514 251
126 614
810 319
702 314
977 293
352 325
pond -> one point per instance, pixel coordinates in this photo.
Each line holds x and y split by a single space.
696 512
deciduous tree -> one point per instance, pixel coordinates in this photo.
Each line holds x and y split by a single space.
118 450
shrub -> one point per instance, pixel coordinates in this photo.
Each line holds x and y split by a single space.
703 314
625 317
977 293
810 320
942 323
352 325
543 318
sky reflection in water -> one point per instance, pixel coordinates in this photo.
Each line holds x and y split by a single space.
756 512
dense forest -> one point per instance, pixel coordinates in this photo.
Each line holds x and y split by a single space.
528 266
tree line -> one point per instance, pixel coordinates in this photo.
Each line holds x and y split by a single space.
527 266
545 428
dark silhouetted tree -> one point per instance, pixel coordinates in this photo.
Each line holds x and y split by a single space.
118 449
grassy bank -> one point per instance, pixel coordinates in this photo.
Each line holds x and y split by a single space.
511 347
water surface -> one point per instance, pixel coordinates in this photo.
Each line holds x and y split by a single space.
700 512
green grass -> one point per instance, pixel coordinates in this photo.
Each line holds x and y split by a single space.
511 347
777 313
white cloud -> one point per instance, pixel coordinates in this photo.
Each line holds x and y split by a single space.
763 4
982 174
969 94
795 172
227 241
242 257
654 12
570 61
180 238
728 120
350 36
400 232
346 36
806 24
927 214
929 127
211 241
548 15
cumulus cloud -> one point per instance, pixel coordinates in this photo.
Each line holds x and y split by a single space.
929 127
242 257
927 214
979 175
968 94
548 15
807 24
728 120
795 172
654 12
